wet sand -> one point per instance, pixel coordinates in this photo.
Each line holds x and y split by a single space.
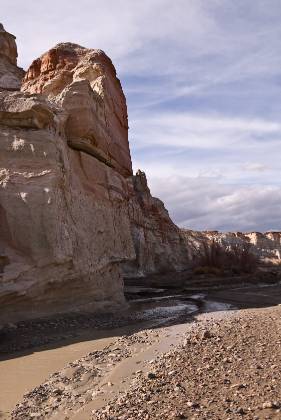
20 375
91 382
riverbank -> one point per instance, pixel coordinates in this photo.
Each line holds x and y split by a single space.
167 298
222 366
90 362
225 368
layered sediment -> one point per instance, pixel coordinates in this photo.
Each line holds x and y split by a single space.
73 217
266 246
65 185
159 244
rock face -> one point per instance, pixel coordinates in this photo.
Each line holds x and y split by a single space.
159 243
83 82
267 246
73 217
64 188
10 74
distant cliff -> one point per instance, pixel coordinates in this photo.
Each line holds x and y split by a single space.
266 246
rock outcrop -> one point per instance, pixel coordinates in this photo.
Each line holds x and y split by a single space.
73 218
266 246
159 243
10 74
83 82
65 183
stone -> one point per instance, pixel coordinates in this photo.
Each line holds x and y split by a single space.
10 74
192 404
73 218
159 244
266 405
266 246
64 225
205 335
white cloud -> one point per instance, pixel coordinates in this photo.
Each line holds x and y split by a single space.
205 203
254 167
118 26
200 131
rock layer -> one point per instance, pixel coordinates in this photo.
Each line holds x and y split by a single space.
73 218
266 246
64 188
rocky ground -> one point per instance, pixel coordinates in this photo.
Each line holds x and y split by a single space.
223 366
224 369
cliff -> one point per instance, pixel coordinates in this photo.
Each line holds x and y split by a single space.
73 218
159 244
266 246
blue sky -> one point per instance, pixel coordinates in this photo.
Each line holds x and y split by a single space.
203 85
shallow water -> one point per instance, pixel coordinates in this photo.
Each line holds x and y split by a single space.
176 309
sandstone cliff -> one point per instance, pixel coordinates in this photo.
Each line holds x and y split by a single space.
159 243
65 182
73 217
266 246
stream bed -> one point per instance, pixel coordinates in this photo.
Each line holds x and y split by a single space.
31 351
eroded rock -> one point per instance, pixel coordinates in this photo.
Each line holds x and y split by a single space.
84 83
72 215
64 190
10 74
159 244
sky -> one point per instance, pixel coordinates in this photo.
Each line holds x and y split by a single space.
203 85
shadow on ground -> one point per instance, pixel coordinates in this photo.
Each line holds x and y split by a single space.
152 303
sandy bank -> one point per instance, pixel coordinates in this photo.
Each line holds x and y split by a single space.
223 366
